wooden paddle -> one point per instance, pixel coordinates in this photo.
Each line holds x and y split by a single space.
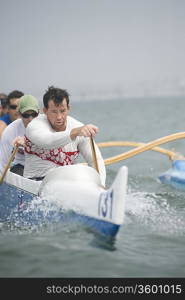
94 155
145 147
9 163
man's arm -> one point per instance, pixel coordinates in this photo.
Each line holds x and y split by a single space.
86 131
39 133
2 127
5 151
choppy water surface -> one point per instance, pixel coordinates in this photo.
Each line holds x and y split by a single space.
151 242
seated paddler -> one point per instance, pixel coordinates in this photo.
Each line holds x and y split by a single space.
12 113
56 139
13 134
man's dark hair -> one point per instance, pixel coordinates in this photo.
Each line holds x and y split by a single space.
55 94
14 94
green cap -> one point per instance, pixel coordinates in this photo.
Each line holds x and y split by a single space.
28 102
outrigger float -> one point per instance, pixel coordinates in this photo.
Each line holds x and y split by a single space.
174 177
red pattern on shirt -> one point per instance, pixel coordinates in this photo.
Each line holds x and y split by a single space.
57 156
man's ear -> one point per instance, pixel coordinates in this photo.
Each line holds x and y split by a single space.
44 110
69 107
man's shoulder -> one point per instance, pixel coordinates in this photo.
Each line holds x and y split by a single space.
74 122
40 123
13 126
3 117
40 119
6 119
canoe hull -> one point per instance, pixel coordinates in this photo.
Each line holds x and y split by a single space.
61 199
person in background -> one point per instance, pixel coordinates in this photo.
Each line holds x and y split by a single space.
3 104
55 139
12 113
13 134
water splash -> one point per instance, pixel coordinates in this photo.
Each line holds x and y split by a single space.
160 212
34 215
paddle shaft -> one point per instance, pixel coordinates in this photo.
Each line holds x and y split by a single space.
9 163
145 147
94 154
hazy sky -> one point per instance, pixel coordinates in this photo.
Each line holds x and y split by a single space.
87 44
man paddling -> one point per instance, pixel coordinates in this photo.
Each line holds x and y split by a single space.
55 139
13 134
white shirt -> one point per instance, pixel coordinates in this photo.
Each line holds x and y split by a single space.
16 128
47 149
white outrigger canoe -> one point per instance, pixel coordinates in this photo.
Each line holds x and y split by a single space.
67 193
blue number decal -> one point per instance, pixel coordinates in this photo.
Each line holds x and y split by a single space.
105 204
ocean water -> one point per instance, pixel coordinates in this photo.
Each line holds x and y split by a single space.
151 242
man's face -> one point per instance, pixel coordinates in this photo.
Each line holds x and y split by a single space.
12 109
57 115
3 106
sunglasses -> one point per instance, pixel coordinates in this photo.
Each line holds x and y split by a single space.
26 116
13 106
